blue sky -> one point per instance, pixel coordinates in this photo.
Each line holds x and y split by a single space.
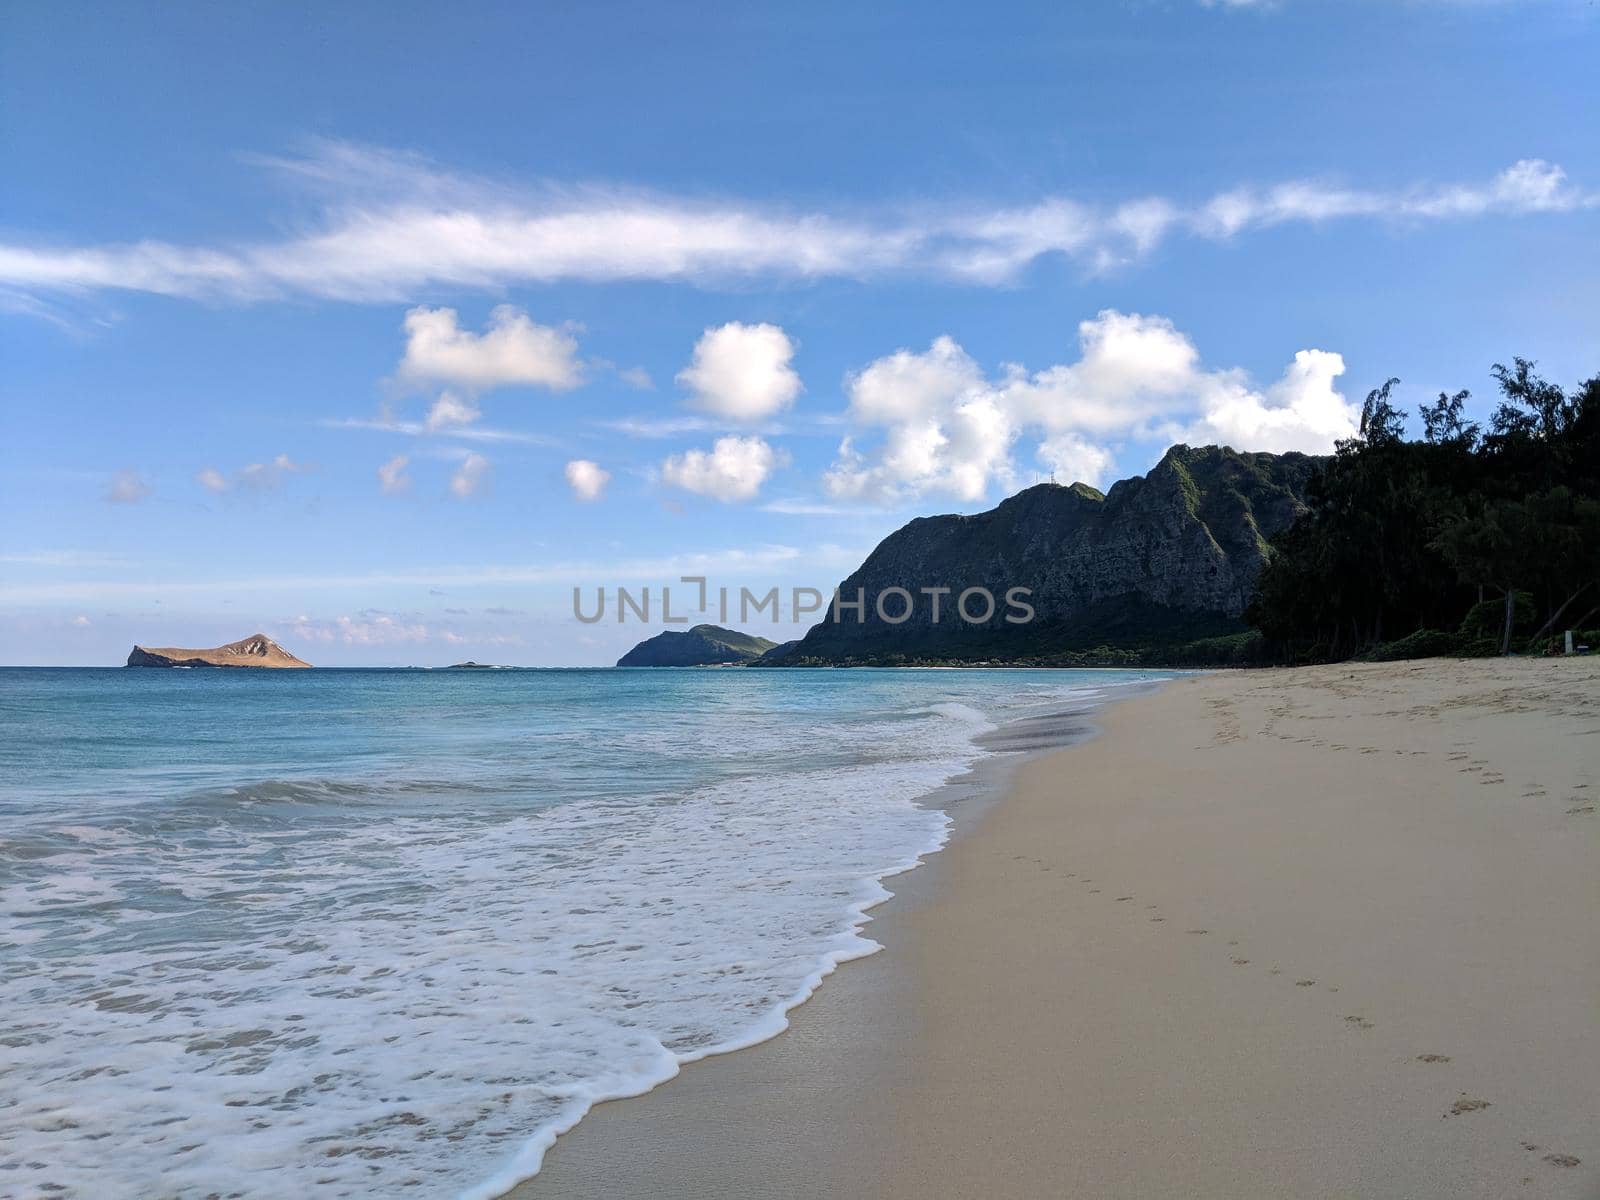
380 328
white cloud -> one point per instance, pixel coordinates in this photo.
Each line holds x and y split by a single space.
362 630
742 372
1071 458
258 477
127 487
637 377
1302 411
392 477
450 411
471 478
82 622
733 469
587 479
394 225
938 423
1131 367
512 350
905 385
945 431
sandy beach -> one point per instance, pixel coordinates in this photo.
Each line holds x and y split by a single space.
1325 932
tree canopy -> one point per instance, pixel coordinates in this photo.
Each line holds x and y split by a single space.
1405 536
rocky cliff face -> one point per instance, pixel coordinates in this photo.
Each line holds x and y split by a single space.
701 646
258 650
1161 559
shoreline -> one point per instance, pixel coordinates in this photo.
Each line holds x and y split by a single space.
1392 994
962 799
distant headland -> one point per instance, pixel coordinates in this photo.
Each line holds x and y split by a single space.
257 650
701 646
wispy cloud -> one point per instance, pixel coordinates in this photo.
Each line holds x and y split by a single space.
126 487
66 558
471 478
392 476
667 427
471 433
812 508
394 224
780 561
258 477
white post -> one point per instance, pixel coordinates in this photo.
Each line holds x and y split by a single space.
1569 641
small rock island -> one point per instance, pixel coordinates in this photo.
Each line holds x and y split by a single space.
701 646
257 650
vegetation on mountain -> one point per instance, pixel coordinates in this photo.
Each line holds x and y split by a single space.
1157 570
700 646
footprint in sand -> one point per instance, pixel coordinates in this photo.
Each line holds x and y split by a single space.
1158 918
1358 1022
1433 1058
1466 1105
1562 1160
1241 962
1305 983
1197 931
1580 810
1120 899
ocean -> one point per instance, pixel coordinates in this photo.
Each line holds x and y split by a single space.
380 933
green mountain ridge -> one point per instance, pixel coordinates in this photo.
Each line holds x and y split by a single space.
1138 574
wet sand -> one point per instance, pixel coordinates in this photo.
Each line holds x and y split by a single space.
1328 932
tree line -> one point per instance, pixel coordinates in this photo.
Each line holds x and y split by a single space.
1466 540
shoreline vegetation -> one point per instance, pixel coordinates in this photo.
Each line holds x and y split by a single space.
1472 541
1324 936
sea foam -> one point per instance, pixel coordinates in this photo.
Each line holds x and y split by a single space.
414 982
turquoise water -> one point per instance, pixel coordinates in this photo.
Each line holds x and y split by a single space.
365 933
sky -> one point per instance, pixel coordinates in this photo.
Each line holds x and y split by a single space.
382 328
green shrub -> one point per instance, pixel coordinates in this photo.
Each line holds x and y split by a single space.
1424 643
1488 619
